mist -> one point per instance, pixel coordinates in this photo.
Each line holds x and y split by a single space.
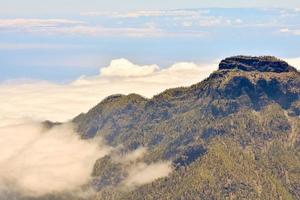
140 172
143 173
35 161
42 100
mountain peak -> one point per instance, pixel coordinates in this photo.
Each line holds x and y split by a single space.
260 64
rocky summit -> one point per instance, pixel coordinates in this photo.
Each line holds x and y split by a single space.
261 64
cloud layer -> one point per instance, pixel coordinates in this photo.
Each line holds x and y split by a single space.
155 23
47 101
139 172
66 27
290 31
142 173
31 23
295 62
35 161
73 27
124 68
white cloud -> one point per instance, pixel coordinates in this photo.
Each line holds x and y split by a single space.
134 155
97 13
42 100
284 30
125 68
30 23
238 21
137 171
294 62
187 23
211 21
35 161
100 31
142 173
78 29
187 17
71 27
148 13
120 25
290 31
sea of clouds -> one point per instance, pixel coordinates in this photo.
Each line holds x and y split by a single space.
35 160
41 100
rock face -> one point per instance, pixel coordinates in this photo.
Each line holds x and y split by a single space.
261 64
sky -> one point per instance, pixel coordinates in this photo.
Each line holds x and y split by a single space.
65 56
62 40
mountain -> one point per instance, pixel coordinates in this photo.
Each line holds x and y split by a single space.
235 135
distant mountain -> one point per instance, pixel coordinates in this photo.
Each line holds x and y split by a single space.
235 135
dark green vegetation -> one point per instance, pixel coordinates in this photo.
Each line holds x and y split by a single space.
235 135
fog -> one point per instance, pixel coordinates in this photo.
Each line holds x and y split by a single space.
35 161
41 100
143 173
140 172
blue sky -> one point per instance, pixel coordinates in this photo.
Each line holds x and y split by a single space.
62 40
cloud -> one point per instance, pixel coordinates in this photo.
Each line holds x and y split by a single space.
139 172
31 23
100 31
124 68
139 32
135 171
134 155
174 23
294 62
142 173
290 31
186 18
190 22
148 13
187 23
72 27
65 27
35 161
43 100
218 21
